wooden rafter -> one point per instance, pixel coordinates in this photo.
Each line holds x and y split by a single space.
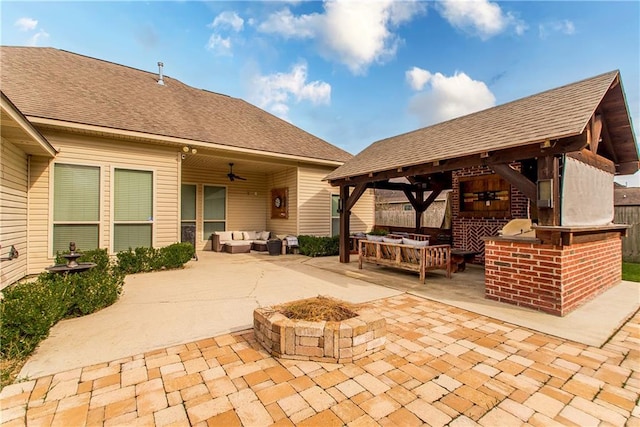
516 179
596 130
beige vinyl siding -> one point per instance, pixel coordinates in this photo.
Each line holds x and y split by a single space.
363 214
315 204
13 212
246 202
287 178
108 155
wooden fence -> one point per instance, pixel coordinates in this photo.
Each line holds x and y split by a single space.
630 244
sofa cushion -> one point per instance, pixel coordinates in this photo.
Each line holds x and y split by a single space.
224 235
391 240
251 235
238 243
264 235
374 238
237 235
417 243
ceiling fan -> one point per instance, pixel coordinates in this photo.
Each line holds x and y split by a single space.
232 176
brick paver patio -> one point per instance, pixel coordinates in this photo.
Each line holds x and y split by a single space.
442 365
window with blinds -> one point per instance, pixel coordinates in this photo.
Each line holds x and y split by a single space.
188 213
214 210
335 215
133 209
76 207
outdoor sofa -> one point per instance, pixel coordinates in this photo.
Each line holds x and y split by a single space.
405 253
239 241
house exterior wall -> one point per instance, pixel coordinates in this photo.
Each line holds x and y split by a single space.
13 212
468 232
246 206
315 204
287 178
553 279
107 154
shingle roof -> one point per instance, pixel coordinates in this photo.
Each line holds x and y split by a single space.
56 84
557 113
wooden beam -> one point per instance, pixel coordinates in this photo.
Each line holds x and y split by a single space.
355 196
516 179
596 129
509 155
411 198
549 168
592 159
419 209
345 247
628 168
606 139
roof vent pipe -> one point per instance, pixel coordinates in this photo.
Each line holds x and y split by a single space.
160 79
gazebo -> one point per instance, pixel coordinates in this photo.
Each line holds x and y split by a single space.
549 157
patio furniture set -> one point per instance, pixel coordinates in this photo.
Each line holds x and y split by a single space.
235 242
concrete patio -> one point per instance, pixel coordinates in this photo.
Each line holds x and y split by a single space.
443 364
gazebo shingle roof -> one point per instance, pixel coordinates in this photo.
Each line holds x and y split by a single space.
554 114
60 85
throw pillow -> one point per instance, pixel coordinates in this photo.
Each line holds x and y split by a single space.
237 235
374 238
391 240
417 243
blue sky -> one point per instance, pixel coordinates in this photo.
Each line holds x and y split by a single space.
352 72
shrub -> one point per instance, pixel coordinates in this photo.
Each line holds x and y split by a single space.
140 260
319 246
29 310
177 254
378 232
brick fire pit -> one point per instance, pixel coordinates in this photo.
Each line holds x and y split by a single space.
335 342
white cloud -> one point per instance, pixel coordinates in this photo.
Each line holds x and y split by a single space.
564 26
274 92
354 33
479 17
219 45
449 97
26 24
38 37
288 25
417 78
229 20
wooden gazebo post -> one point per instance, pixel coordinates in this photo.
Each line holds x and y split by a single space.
347 201
345 215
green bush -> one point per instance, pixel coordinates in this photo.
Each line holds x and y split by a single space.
29 310
177 254
141 260
378 232
319 246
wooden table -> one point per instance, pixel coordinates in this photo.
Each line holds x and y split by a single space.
460 257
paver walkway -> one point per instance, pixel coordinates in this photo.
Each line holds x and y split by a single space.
442 365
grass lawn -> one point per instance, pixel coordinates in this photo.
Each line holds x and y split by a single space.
631 271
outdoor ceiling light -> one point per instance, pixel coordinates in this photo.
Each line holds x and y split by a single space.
185 149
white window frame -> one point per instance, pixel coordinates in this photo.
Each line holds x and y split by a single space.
182 220
154 202
226 207
334 217
51 206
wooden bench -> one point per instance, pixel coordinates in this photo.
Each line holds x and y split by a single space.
406 257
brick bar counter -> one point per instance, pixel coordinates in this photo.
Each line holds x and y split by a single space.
558 271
